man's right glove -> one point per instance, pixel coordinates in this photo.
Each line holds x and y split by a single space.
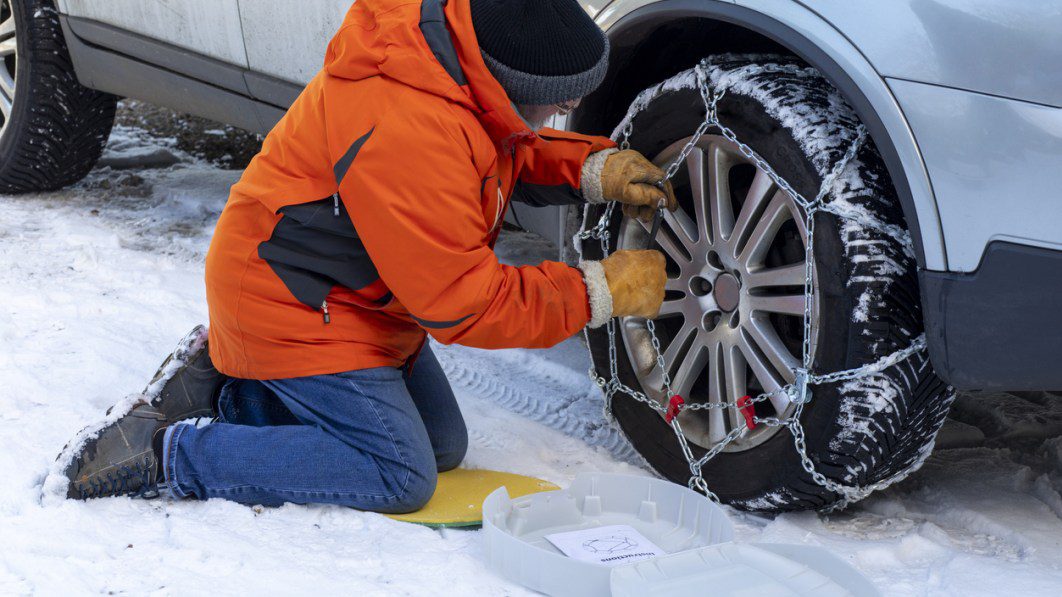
625 284
628 178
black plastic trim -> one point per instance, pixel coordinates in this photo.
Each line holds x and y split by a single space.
165 56
667 10
999 328
117 61
271 90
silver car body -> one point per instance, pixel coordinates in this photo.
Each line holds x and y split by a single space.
970 91
962 97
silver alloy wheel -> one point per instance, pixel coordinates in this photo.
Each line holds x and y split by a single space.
9 58
735 293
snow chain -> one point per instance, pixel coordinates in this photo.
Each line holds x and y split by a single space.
800 392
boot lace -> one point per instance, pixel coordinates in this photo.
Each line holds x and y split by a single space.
137 480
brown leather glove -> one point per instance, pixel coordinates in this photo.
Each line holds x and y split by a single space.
629 178
636 281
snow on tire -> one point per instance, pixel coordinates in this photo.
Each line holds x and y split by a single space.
863 432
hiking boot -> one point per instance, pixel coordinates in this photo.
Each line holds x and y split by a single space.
186 386
121 459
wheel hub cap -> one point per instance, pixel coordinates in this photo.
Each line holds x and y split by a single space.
727 292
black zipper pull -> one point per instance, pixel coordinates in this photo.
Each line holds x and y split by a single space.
324 309
335 198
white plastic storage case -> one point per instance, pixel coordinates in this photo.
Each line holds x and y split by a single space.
695 533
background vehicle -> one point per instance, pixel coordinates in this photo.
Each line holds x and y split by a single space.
962 100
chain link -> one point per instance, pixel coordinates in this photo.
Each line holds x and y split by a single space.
660 363
798 392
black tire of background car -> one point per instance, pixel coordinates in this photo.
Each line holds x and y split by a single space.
58 127
852 437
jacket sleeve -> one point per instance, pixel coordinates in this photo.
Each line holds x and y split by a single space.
414 195
551 171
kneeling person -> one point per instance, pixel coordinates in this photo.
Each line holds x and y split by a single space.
368 222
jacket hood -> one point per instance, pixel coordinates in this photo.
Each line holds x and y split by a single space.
429 45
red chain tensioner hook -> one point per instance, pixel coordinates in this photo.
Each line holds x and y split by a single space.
673 407
748 410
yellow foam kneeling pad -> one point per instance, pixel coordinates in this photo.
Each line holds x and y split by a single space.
459 495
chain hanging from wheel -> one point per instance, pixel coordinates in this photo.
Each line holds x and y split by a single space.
800 391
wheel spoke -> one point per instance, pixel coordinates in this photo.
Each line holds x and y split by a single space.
672 309
798 217
667 243
719 191
672 227
7 28
761 237
784 304
736 384
760 193
771 347
699 188
8 46
692 364
716 395
761 368
780 401
681 224
676 285
788 275
673 352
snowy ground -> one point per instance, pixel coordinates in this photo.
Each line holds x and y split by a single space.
100 281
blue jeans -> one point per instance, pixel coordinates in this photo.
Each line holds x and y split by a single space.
373 439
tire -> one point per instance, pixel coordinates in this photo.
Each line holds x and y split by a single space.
56 128
859 433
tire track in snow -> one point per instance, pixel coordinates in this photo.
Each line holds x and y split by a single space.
528 384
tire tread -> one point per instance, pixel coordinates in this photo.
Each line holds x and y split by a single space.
876 261
58 127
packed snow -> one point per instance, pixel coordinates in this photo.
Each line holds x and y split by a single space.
101 280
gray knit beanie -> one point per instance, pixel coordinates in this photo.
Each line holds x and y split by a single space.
541 51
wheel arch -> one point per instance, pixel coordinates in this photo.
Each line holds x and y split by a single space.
653 41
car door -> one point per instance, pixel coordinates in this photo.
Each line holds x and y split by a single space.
207 27
286 39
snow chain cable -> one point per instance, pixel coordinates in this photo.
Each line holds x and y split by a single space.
799 391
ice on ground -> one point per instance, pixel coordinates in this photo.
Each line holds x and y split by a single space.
99 283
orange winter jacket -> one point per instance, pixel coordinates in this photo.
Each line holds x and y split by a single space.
369 217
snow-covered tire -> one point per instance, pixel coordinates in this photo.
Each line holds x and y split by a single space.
57 128
861 432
